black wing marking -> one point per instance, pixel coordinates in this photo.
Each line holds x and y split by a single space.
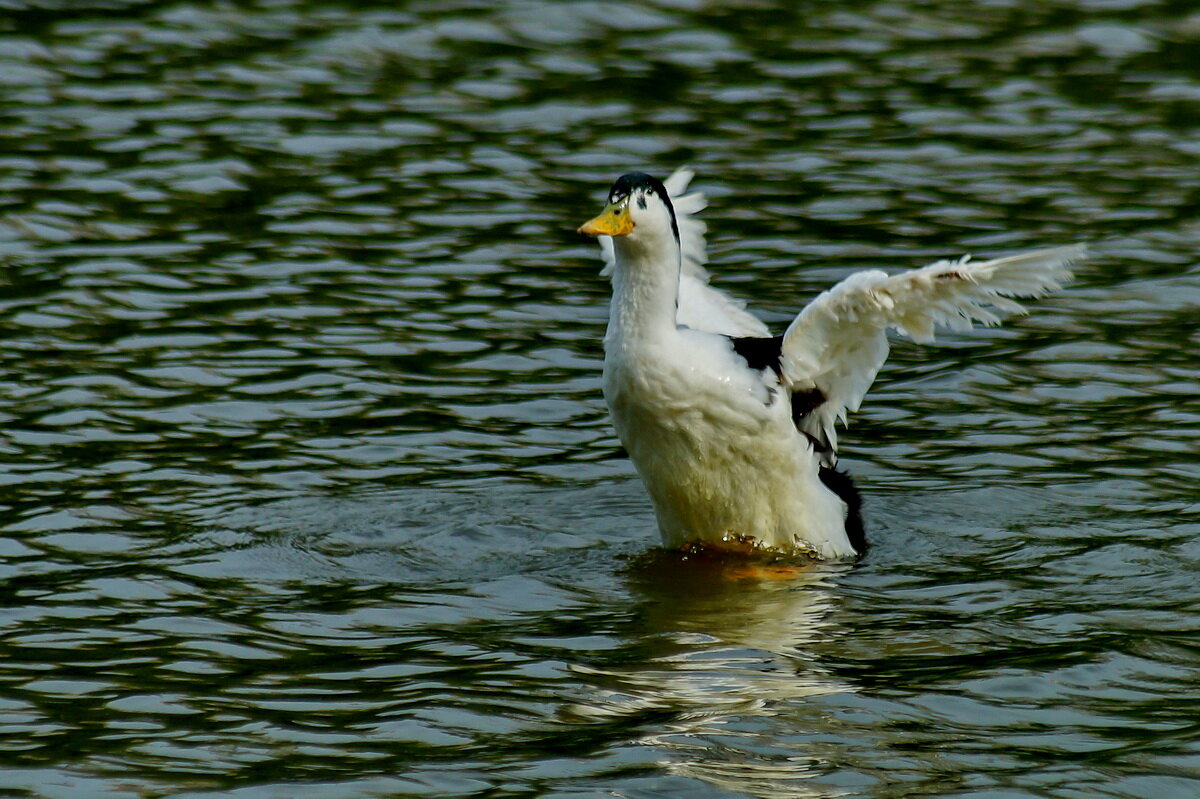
840 483
767 353
761 353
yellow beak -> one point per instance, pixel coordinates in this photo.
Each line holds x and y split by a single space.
614 220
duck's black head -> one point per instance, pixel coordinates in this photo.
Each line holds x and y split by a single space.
640 188
635 199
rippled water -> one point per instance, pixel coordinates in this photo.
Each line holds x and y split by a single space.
307 484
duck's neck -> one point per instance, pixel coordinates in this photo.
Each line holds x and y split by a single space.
645 290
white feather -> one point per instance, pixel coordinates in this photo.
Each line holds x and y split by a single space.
839 341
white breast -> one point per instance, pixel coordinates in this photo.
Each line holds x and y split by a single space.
715 445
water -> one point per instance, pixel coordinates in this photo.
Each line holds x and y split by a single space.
307 484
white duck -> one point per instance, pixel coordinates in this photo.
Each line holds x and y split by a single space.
732 430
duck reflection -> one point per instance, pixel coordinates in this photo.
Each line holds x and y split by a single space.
726 644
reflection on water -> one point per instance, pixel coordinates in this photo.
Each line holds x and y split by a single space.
307 487
728 645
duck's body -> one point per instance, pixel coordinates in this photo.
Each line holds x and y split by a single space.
722 460
731 430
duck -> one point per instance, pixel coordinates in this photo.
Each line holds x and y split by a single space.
733 430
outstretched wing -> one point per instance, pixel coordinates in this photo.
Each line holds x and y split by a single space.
701 307
837 344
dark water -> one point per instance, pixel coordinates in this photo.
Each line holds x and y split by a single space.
307 488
